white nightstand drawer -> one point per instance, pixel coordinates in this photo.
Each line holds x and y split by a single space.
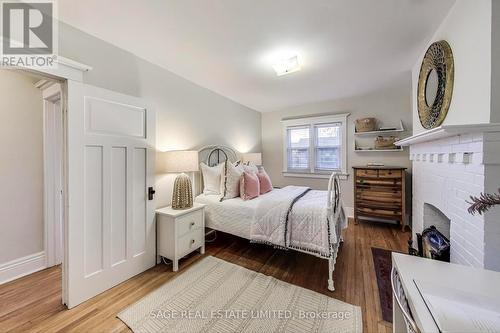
189 222
190 242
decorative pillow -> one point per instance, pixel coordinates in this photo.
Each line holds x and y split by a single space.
264 181
250 168
249 186
211 178
231 180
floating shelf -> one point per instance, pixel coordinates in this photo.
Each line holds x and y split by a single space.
400 149
400 129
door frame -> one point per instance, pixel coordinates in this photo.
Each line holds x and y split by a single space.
53 163
65 69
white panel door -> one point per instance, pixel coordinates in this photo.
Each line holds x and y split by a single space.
110 229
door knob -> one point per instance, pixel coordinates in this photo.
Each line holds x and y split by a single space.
151 193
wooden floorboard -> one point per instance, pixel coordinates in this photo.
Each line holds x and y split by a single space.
33 303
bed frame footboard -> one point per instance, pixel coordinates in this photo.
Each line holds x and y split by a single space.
334 207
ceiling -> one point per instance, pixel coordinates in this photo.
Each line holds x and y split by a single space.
346 47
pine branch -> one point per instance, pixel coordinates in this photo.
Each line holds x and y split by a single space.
483 203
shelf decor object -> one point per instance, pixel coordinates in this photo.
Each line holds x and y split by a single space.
364 125
182 161
382 130
435 84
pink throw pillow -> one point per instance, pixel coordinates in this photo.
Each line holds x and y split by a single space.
264 181
249 186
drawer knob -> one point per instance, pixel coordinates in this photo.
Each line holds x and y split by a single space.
192 241
192 224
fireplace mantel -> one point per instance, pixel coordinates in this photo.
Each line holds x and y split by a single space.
445 131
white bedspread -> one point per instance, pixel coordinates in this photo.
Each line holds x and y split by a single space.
233 216
297 218
272 216
308 228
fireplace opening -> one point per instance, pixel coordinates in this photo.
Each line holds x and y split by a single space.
435 217
434 241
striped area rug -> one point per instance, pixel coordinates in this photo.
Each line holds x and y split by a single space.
217 296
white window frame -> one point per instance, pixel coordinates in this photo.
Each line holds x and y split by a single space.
311 122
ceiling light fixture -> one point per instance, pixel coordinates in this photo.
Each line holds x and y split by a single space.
287 66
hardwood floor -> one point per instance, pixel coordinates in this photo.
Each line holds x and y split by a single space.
33 303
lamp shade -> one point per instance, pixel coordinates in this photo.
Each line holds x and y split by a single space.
254 158
181 161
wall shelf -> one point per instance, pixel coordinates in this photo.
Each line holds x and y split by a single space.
400 129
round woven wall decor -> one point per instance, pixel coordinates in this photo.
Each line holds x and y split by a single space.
435 84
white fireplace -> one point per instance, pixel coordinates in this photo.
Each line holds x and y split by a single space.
451 163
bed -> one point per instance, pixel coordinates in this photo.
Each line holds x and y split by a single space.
293 218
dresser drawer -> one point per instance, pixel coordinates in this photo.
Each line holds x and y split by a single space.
389 173
189 222
366 173
190 242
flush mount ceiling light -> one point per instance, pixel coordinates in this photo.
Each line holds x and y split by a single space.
287 66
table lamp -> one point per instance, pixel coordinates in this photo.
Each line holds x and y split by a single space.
182 161
254 158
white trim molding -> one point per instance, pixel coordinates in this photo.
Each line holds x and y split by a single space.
311 121
21 267
65 69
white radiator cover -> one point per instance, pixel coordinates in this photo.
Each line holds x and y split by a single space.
446 172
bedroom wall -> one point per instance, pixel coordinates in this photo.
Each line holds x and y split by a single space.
188 116
467 28
388 104
21 169
495 62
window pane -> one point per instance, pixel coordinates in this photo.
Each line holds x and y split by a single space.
328 158
298 159
328 135
298 137
328 140
298 148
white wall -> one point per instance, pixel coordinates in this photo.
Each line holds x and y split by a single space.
389 104
188 116
495 62
21 169
467 28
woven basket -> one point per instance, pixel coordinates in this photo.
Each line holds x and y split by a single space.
387 142
366 124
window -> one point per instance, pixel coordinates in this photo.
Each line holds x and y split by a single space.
298 148
315 146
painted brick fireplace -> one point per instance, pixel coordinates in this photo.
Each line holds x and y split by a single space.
448 167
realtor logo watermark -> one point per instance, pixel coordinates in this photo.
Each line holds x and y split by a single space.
29 34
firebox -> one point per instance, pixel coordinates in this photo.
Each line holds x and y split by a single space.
431 244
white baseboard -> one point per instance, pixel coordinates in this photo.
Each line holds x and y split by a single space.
22 266
349 211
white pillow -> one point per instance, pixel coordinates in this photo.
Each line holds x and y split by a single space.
231 180
211 178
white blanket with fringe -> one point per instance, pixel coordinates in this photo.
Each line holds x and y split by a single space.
296 217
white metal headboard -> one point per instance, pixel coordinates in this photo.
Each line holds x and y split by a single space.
213 155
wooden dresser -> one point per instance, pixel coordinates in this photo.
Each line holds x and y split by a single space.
379 193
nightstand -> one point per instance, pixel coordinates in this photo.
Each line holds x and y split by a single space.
180 232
